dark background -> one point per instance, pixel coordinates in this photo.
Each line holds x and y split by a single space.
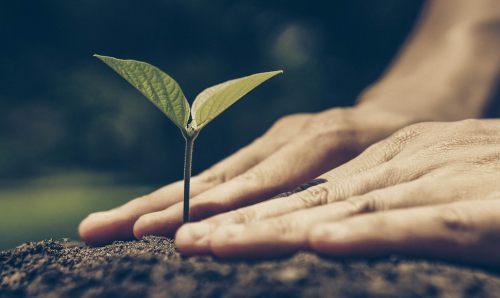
75 137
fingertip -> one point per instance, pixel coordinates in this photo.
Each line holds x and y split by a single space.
193 238
99 228
143 226
85 227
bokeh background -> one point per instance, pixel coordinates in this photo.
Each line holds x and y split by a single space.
76 138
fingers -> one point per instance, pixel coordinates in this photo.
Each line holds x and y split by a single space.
270 237
466 231
273 175
261 148
368 191
318 195
276 174
103 227
287 232
372 182
264 180
117 224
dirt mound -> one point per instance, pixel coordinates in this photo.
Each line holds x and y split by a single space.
151 268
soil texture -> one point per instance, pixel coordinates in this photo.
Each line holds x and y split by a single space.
151 267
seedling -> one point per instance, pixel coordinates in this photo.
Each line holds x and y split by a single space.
166 94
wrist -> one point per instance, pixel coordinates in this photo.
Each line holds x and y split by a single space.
441 79
411 102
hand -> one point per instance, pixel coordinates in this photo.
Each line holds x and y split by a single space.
300 147
373 204
295 150
465 231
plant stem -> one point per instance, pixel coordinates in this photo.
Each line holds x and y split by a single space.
188 161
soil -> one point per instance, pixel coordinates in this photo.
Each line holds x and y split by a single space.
152 268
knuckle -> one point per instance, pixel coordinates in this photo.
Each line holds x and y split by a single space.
332 116
333 123
363 204
296 117
212 176
285 128
314 196
259 141
243 215
393 145
456 224
384 148
453 219
286 120
408 133
289 119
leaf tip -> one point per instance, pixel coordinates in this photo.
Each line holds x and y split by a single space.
102 57
275 72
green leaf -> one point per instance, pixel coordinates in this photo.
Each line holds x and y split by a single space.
157 86
214 100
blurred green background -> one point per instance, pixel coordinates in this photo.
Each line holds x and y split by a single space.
76 138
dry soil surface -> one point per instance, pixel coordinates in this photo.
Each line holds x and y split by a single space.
152 268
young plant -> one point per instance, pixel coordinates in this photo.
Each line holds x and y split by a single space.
166 94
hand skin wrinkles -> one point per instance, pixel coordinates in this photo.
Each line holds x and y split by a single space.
271 226
417 187
421 167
